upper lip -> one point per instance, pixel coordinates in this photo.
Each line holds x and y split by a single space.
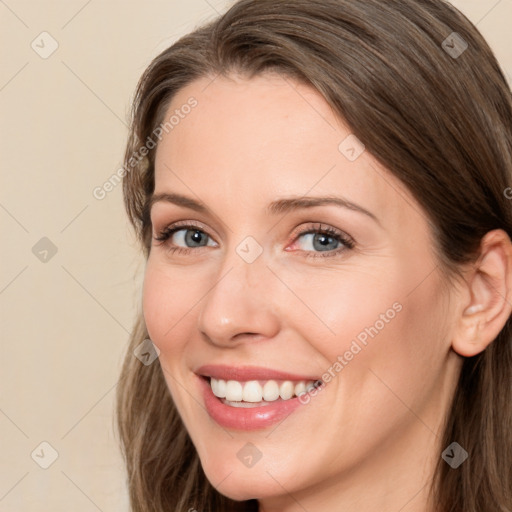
245 373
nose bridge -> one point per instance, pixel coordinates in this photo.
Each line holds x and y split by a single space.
239 298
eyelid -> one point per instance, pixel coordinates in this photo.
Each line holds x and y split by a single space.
320 227
160 214
183 224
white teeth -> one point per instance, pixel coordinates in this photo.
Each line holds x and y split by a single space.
234 391
221 388
271 391
218 387
246 405
300 388
286 390
253 392
214 383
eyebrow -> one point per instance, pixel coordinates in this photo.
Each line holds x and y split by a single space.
280 206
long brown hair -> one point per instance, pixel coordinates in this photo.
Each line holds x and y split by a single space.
436 112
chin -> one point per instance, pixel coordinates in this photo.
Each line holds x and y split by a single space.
239 483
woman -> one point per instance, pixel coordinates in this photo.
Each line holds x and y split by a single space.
319 189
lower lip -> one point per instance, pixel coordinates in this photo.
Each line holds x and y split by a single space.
252 418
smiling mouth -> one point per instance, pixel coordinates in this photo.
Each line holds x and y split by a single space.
257 393
251 397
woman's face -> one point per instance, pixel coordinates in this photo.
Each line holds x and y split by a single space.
266 288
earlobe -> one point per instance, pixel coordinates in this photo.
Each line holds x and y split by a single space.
469 341
489 286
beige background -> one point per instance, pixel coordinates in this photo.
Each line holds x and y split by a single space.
65 321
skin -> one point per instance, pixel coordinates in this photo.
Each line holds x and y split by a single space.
368 440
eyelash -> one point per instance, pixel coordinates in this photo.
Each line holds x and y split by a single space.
349 243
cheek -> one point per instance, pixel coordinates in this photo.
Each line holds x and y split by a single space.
166 303
381 321
167 308
356 305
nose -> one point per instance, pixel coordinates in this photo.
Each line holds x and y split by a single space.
239 305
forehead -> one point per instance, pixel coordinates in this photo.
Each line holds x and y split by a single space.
250 120
264 137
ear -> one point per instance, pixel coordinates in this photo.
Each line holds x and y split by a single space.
489 288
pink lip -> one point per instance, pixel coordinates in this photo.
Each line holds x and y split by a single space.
245 373
253 418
